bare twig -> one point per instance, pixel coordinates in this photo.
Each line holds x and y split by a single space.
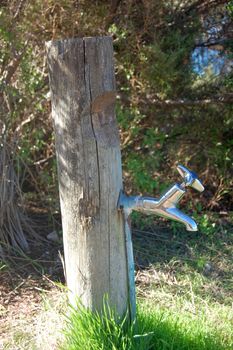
14 223
215 100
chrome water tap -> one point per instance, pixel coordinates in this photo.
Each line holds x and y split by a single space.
165 206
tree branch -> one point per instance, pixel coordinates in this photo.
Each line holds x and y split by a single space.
215 100
113 10
201 6
183 15
19 9
210 43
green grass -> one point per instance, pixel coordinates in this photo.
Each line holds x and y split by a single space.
156 328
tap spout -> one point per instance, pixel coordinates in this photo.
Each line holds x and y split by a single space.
178 215
165 208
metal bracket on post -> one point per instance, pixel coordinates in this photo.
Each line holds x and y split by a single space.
124 205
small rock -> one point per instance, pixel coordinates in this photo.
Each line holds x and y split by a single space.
53 236
207 268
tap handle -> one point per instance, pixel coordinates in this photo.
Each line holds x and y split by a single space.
190 178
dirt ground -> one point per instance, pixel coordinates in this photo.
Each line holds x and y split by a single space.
32 300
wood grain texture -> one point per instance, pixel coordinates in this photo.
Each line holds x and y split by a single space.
82 83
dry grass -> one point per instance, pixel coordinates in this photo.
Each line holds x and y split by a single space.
34 317
14 223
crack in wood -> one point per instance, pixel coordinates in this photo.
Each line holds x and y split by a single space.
92 124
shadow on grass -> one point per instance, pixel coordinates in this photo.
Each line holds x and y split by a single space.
207 252
172 332
157 241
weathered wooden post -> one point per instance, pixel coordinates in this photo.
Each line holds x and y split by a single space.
89 170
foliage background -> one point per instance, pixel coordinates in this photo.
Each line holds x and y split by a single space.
173 107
